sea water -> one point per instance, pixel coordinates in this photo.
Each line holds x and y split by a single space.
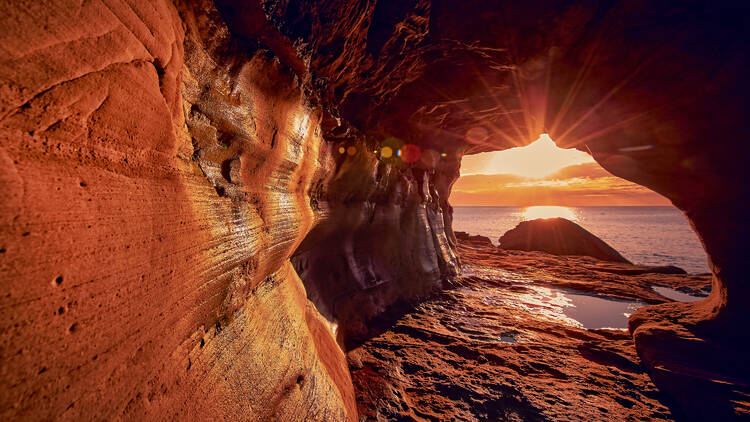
644 235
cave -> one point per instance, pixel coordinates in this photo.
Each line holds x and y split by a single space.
197 219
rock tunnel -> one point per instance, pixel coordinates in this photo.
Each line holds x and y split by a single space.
197 219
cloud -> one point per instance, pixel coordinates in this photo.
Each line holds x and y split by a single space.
489 182
586 184
590 170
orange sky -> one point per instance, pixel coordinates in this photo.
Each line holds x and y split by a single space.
542 174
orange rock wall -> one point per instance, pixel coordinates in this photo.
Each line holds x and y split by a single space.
155 180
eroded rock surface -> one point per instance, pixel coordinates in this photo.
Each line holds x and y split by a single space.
489 349
155 183
381 240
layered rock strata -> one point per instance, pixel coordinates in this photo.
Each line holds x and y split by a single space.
381 241
156 177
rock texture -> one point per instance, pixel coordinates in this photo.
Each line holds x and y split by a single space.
381 240
489 349
472 238
155 183
170 167
458 357
582 273
558 236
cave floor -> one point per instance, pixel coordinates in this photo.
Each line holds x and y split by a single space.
481 350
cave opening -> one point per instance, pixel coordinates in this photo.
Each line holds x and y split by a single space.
511 198
497 190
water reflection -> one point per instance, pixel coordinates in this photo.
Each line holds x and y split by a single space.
532 213
567 306
598 312
677 295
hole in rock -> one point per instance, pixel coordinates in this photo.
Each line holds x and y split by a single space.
497 191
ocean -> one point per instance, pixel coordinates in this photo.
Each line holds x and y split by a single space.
644 235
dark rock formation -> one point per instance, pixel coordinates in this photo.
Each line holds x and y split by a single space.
473 238
636 270
380 240
169 167
558 236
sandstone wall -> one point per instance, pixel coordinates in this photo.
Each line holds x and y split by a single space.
155 182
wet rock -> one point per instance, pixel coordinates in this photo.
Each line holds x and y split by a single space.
558 236
479 352
636 269
583 273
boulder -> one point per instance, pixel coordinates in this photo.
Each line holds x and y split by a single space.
558 236
479 239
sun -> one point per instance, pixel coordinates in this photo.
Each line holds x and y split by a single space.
536 160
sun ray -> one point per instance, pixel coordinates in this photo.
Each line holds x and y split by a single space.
608 129
500 104
523 99
576 86
477 120
603 100
545 92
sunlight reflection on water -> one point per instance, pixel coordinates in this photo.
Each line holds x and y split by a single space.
532 213
567 306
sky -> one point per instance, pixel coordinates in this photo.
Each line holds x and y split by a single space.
543 174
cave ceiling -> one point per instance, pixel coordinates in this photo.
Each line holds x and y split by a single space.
487 75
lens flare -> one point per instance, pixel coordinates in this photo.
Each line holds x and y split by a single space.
351 150
386 152
342 150
411 153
